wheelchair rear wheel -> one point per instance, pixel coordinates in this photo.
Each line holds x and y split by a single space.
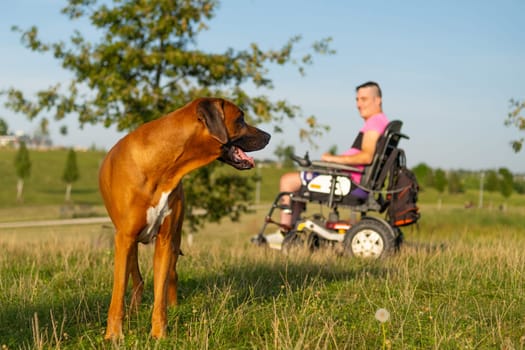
370 238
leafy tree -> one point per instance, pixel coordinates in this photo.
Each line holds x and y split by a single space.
213 195
284 155
71 173
516 118
519 186
491 181
454 183
440 180
146 63
23 170
424 175
506 182
4 128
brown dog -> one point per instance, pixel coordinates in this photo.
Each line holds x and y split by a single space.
140 182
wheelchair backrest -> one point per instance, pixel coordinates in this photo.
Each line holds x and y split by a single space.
373 177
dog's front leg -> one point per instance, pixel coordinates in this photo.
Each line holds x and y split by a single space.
177 210
123 247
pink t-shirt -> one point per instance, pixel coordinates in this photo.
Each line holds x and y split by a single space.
377 123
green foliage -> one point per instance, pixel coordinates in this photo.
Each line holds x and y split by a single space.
71 173
424 175
501 180
148 64
515 118
4 128
491 181
454 183
440 180
519 185
506 182
284 155
212 195
22 162
63 130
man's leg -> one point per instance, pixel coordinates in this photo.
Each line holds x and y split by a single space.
290 182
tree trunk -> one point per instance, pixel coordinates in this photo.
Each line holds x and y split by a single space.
19 190
68 193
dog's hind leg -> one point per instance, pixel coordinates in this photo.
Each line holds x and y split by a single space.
138 282
123 248
172 282
162 262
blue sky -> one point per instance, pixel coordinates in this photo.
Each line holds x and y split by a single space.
447 68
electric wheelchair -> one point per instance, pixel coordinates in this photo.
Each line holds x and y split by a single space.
365 233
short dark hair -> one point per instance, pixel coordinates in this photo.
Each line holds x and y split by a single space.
370 84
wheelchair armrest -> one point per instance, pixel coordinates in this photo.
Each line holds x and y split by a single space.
328 165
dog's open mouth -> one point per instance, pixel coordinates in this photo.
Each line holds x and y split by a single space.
236 157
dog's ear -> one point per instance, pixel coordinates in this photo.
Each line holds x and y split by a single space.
211 112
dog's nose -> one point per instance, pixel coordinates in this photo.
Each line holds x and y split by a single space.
266 136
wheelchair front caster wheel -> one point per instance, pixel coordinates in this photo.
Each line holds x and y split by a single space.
292 241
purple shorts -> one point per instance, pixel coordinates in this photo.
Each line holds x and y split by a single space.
307 176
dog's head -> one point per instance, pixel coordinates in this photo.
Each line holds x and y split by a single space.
225 122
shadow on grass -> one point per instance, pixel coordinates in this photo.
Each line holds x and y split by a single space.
79 316
53 322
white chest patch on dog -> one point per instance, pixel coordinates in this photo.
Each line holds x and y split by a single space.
155 217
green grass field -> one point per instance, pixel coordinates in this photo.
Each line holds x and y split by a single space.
45 185
457 283
45 189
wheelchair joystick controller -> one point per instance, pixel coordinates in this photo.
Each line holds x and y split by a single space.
304 161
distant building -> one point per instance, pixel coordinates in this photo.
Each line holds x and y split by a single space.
8 140
40 142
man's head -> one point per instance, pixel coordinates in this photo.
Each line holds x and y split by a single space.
369 99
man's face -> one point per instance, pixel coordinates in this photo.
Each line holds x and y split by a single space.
368 102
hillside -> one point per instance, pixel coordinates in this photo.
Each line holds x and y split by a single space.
45 186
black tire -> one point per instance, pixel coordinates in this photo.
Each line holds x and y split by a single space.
371 239
313 242
292 241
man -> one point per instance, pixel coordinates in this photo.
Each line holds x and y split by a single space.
369 104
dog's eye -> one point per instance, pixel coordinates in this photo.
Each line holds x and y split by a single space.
240 121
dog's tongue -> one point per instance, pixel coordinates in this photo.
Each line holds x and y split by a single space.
239 153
